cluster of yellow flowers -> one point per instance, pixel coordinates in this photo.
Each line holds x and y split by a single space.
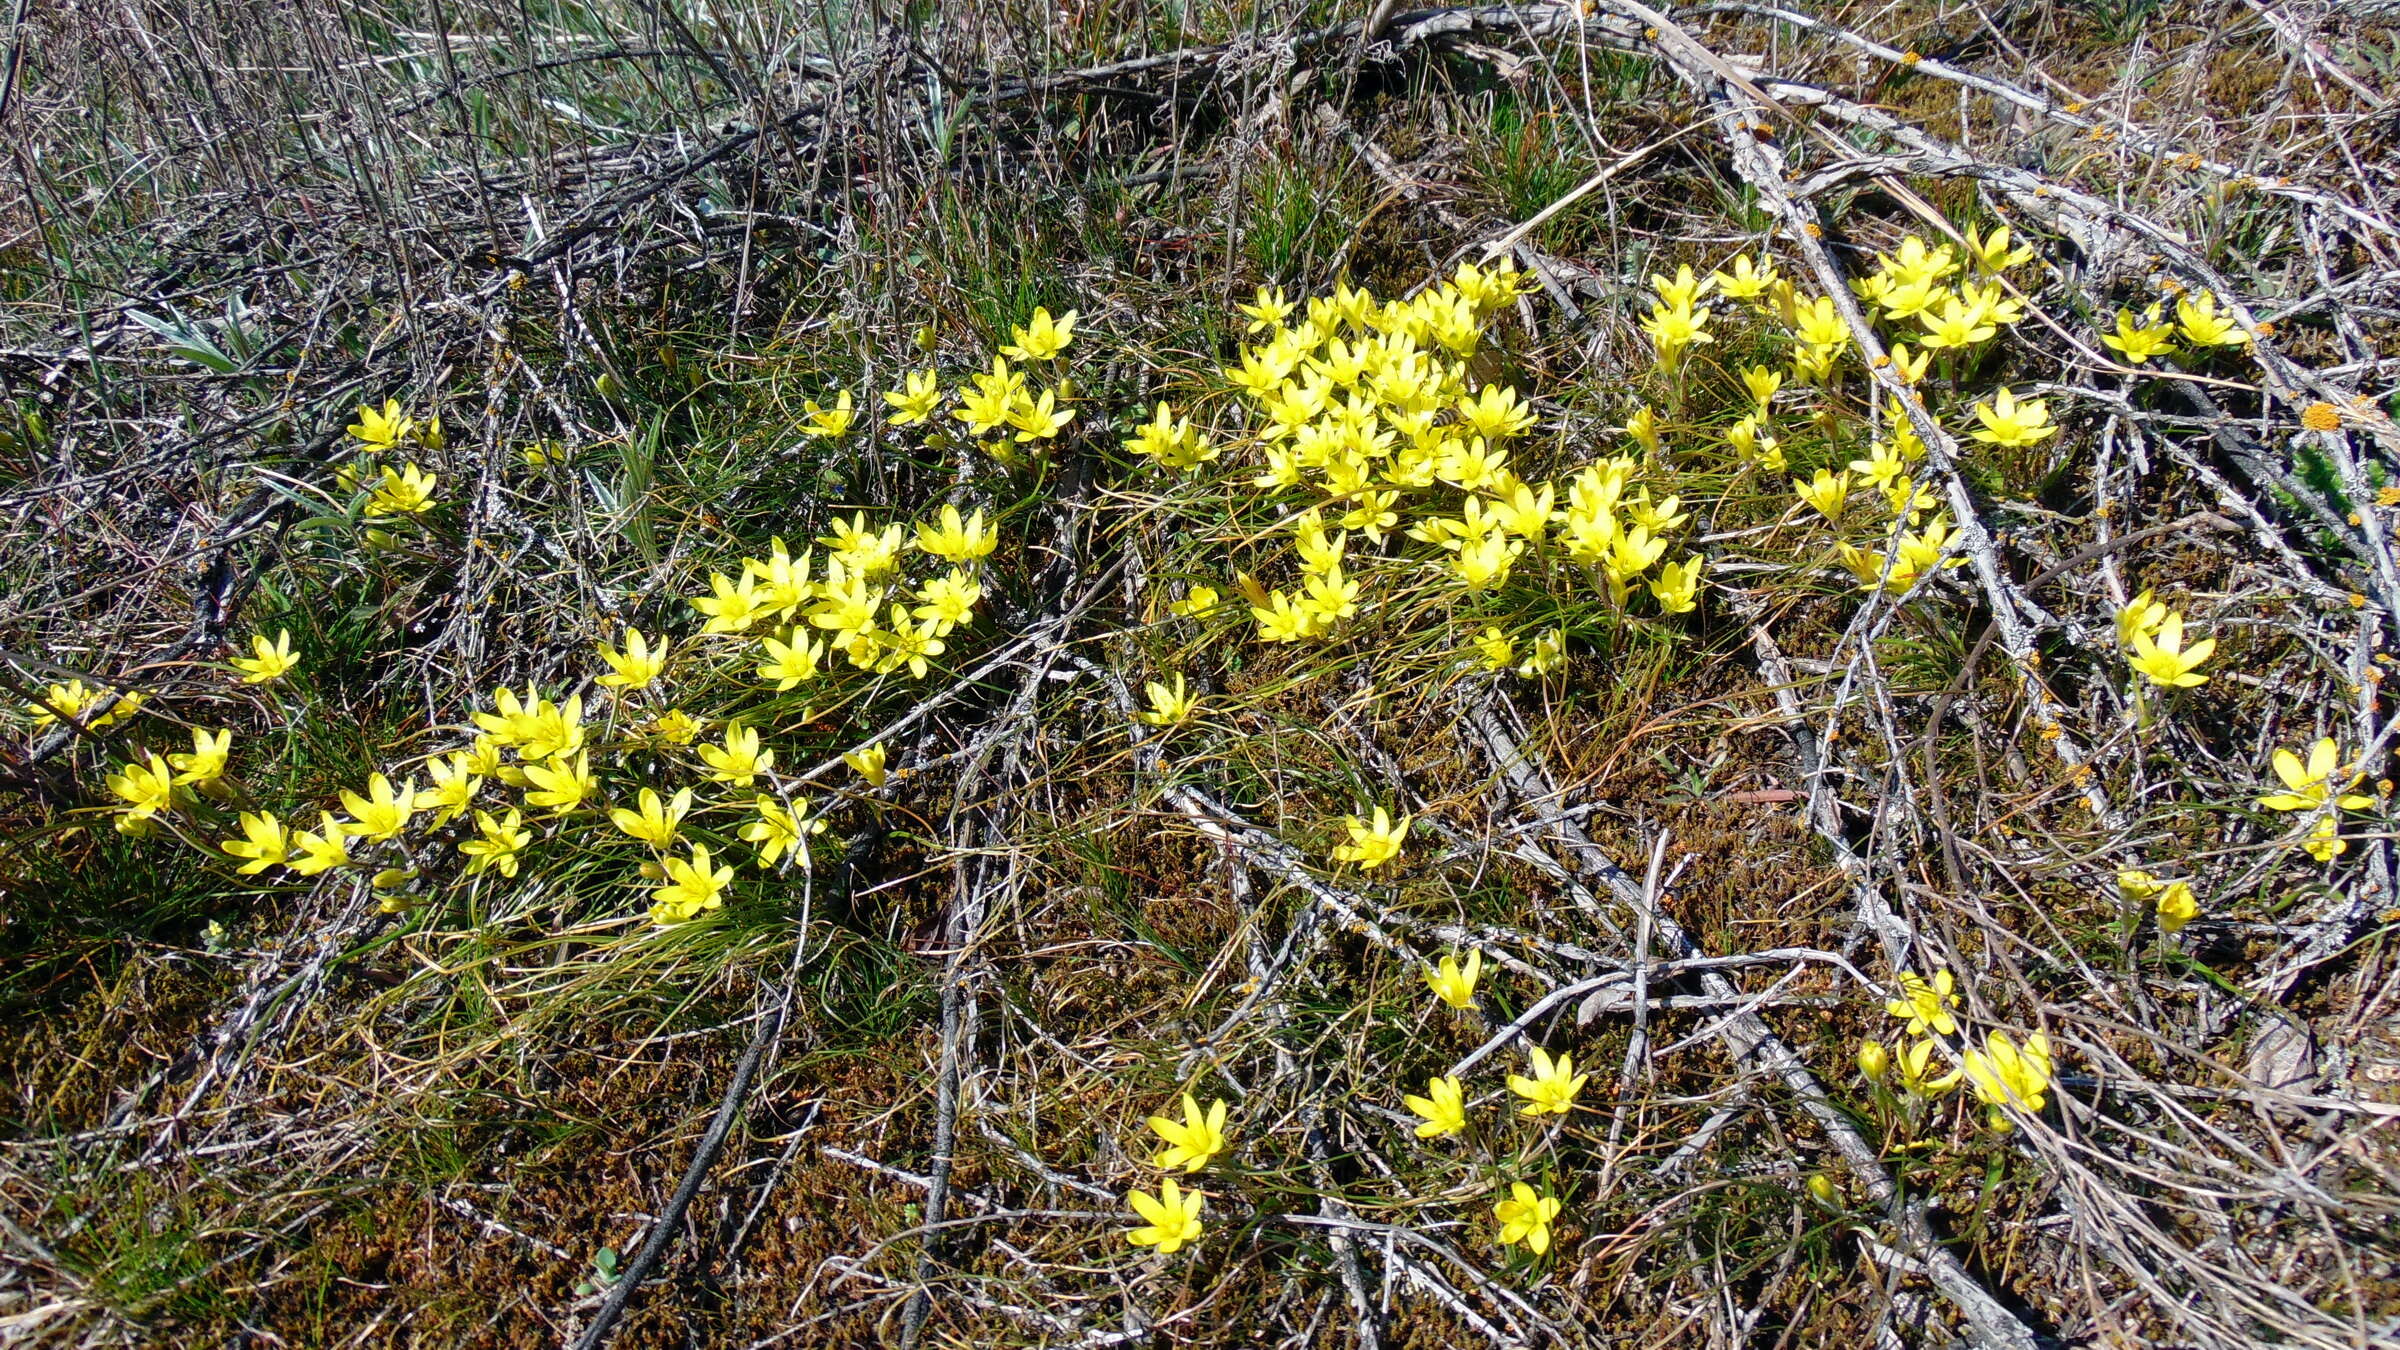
1369 406
392 491
2144 339
1000 408
2002 1072
1915 284
74 698
2311 787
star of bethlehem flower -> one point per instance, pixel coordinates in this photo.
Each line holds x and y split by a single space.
561 784
739 760
325 849
1043 338
2311 784
1526 1217
1267 312
828 423
2323 844
1442 1110
1455 984
1494 649
269 661
677 727
1917 1077
455 782
692 888
497 842
1175 443
2176 904
869 764
1192 1141
781 828
1372 843
1826 494
76 699
2141 340
914 402
1197 601
1993 253
1552 1088
637 666
1925 1004
406 491
2203 326
789 663
205 762
2008 422
653 820
731 607
1170 703
2165 661
1676 588
383 813
382 428
2139 618
2006 1074
1549 654
1742 279
1170 1219
955 540
146 789
264 843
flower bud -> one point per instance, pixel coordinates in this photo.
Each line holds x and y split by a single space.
1874 1061
1821 1186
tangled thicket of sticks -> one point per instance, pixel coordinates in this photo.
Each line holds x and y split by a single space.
2218 1168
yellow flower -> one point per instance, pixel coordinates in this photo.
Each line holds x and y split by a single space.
2140 618
1827 493
780 828
869 764
732 607
146 789
1552 1089
1910 367
1443 1108
497 843
1453 984
2177 905
1926 1003
1170 705
1372 844
1762 382
2138 340
206 761
2322 843
827 423
677 727
272 661
1992 251
917 401
1549 653
637 666
739 760
383 813
2007 422
2203 326
455 781
2006 1075
1956 324
1171 1219
1197 601
264 842
1173 442
1674 330
957 541
788 663
1267 312
1497 652
322 851
1677 586
382 428
949 601
692 886
1042 339
406 491
1916 1072
2163 658
2311 784
1525 1217
1741 280
1193 1141
655 821
561 784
